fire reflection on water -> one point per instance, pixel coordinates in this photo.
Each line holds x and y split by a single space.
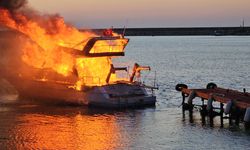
61 132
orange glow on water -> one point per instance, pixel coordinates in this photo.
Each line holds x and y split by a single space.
77 132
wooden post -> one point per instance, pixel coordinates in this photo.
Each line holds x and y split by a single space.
237 116
183 104
210 110
211 118
230 119
221 114
203 112
191 114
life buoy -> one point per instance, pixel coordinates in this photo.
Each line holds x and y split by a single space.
247 115
179 87
191 97
210 104
229 106
184 94
211 85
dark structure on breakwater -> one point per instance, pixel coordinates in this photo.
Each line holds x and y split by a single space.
193 31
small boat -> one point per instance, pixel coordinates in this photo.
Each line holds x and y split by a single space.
59 89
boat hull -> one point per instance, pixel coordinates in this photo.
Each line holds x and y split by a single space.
120 95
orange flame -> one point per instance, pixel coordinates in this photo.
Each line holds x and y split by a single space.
51 32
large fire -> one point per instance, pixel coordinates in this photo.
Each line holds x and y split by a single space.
51 33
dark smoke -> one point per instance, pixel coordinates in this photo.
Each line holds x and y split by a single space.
12 5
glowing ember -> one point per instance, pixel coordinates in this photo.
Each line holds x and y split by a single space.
51 34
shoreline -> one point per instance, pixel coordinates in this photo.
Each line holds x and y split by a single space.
185 31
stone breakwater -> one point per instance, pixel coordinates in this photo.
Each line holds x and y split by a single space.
192 31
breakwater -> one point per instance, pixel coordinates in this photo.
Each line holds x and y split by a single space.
192 31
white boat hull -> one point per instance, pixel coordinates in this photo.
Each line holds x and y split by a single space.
112 96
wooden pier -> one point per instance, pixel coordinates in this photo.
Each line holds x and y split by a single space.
237 104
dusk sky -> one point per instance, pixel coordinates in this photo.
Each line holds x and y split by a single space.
148 13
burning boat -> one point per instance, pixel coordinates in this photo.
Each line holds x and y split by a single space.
58 63
87 90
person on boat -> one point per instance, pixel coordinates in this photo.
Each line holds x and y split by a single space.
137 72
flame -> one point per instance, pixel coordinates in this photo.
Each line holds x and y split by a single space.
51 32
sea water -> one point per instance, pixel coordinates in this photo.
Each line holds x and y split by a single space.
193 60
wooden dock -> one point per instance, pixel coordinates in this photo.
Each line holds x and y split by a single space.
237 103
242 100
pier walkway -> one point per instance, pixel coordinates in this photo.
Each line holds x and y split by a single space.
242 100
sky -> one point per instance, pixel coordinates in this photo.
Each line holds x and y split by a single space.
148 13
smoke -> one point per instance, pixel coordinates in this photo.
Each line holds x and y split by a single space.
11 45
10 61
8 92
12 5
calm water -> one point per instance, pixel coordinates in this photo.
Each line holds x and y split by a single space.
191 60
